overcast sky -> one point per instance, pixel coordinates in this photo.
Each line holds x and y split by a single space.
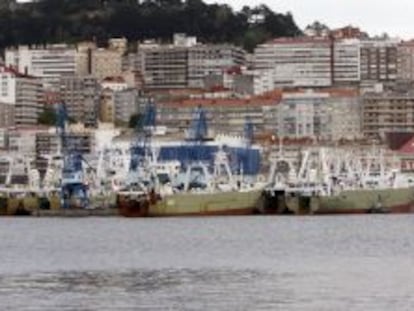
374 16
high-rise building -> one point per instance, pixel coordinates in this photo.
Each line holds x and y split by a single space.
346 61
185 63
48 62
297 62
329 115
379 60
21 98
126 105
383 113
81 96
405 61
84 58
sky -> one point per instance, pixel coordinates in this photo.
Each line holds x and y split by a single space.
373 16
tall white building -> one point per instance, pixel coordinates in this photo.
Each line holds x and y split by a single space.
328 115
21 98
347 61
297 61
48 62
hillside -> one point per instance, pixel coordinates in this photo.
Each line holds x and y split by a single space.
47 21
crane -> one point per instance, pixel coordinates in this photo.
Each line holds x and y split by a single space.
141 144
73 189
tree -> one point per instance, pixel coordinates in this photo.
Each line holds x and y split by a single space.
47 116
135 121
48 21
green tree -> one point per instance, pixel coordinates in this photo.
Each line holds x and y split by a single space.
135 121
47 117
48 21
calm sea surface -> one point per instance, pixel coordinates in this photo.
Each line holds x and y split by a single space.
223 263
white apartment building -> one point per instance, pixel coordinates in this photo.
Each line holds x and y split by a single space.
23 141
21 98
347 61
211 59
297 62
48 62
320 115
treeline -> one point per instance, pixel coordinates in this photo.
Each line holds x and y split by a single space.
48 21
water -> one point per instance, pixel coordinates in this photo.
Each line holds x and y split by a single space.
233 263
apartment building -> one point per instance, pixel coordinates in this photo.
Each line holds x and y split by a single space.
21 98
211 59
184 64
81 95
84 57
22 141
297 62
106 63
6 115
48 62
223 115
379 60
118 44
386 113
107 106
126 104
117 106
165 67
329 115
346 61
405 61
49 143
339 60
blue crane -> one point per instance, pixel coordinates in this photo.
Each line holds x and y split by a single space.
73 190
248 130
144 127
198 130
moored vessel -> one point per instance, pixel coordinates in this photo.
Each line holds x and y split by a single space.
346 184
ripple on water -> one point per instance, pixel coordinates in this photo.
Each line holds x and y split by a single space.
233 263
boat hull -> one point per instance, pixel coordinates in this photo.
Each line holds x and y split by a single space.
133 205
358 201
200 204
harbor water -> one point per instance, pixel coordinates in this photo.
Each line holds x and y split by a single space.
220 263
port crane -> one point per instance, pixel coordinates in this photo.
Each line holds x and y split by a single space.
73 189
141 151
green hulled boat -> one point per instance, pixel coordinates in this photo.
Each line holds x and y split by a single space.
392 200
203 203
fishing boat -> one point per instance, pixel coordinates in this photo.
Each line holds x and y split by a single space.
329 182
202 193
194 192
205 185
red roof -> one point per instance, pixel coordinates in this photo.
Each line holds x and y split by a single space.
114 79
14 71
221 102
298 40
408 147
